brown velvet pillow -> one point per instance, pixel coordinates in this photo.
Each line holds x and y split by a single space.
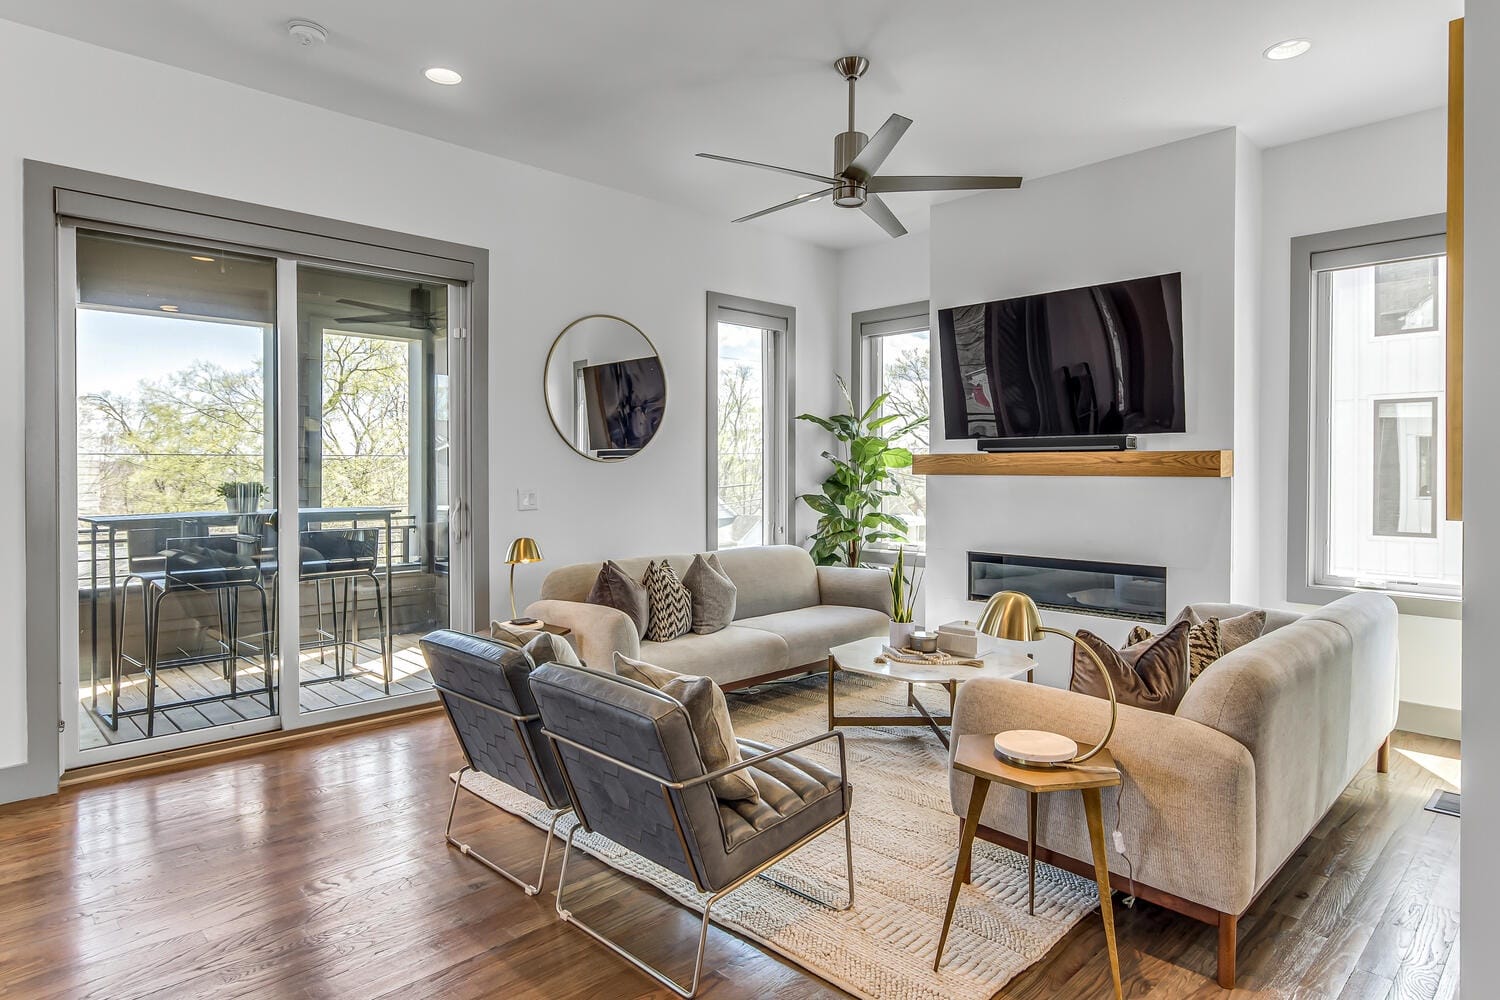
613 588
1151 674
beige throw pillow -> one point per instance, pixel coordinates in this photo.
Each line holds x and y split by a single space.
713 593
540 645
708 715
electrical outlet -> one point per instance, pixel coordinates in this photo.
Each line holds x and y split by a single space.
525 499
1119 842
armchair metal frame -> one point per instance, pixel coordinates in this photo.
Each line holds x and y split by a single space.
518 722
667 787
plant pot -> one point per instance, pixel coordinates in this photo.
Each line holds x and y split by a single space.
901 634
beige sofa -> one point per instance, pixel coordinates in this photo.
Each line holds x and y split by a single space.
1217 797
788 612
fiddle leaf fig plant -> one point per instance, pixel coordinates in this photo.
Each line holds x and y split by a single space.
849 506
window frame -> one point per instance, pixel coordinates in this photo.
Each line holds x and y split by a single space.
1307 470
780 366
866 328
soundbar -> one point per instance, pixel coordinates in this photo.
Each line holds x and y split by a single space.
1071 442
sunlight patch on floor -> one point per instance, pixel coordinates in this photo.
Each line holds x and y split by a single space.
1446 768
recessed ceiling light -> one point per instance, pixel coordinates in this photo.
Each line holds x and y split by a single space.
1289 49
447 77
205 259
168 309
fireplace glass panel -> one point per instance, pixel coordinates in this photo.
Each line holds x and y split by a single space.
1111 590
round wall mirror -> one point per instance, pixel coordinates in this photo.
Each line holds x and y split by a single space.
606 392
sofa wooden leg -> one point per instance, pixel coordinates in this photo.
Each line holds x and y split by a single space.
1228 941
1383 757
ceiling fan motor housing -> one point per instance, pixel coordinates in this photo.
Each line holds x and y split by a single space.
846 146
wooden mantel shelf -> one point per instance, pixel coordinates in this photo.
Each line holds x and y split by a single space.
1191 464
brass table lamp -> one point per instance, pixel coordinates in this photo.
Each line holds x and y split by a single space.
522 550
1013 615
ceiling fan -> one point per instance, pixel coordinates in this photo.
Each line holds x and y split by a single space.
856 158
418 315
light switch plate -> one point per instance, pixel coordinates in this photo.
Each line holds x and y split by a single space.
525 499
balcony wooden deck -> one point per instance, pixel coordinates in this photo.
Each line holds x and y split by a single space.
408 673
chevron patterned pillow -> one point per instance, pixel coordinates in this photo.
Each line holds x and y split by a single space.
671 604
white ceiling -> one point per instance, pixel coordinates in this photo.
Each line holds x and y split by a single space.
623 92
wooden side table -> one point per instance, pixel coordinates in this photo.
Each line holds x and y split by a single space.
975 755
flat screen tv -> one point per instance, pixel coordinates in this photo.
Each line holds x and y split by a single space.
625 401
1106 359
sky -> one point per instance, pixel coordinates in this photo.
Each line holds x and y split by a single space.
117 350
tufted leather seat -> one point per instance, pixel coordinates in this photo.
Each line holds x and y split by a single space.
787 785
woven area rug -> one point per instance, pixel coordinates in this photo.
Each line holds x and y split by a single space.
905 844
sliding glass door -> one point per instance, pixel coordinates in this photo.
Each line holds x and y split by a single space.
373 442
263 476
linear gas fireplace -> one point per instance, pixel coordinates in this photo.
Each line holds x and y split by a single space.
1114 590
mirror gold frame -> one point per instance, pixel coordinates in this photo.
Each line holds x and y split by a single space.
547 366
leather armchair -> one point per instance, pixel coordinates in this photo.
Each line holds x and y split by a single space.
635 775
483 686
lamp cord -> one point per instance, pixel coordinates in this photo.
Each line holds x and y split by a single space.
1129 865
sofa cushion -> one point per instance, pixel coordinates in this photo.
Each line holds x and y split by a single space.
809 632
1151 674
787 785
713 594
770 578
614 587
708 714
671 604
728 655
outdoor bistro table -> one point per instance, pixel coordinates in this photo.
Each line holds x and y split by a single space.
106 529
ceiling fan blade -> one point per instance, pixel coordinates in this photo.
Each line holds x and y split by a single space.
801 199
883 216
394 318
891 183
370 305
878 148
767 166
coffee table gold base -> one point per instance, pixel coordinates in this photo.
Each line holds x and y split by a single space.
922 718
975 756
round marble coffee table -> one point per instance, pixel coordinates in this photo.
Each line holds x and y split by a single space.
858 657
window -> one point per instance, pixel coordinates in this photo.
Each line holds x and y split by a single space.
890 352
749 422
1371 308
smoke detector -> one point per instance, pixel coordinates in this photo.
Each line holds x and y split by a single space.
308 34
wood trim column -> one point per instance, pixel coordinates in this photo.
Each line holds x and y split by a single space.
1454 444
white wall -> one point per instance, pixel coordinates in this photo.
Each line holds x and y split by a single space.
1379 173
560 249
1172 208
1481 680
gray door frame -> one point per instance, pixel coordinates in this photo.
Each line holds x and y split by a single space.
52 191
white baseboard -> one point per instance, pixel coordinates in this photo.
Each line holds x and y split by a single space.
1430 720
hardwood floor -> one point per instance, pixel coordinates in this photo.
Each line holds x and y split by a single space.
319 870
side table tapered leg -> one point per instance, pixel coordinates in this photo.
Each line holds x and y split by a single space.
1031 798
1093 810
961 866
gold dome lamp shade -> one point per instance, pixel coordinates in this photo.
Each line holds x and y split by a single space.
1013 615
